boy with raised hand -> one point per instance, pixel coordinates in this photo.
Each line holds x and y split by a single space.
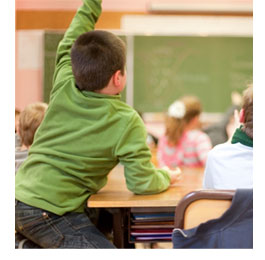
86 132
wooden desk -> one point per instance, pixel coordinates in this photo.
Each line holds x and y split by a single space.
118 198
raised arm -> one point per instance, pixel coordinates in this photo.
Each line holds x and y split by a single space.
83 21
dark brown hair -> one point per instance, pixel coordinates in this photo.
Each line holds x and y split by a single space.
96 56
248 111
176 126
29 120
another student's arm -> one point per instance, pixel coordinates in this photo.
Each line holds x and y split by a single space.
141 175
83 21
203 147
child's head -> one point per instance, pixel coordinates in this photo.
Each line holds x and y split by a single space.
96 56
182 114
17 113
29 120
246 114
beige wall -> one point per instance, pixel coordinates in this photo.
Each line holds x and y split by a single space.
33 16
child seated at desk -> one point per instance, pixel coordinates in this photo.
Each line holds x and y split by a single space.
29 121
86 132
183 144
230 165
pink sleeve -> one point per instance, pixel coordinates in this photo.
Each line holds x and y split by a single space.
160 152
203 146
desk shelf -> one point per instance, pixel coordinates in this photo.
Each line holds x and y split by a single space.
150 224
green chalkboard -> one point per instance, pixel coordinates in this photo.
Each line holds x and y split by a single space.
51 41
167 67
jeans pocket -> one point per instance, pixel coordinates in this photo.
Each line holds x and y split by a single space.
40 227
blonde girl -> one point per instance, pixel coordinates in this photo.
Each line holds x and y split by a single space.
183 143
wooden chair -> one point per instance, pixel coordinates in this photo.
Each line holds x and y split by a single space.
214 219
200 206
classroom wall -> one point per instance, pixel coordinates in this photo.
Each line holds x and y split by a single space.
34 16
124 5
57 14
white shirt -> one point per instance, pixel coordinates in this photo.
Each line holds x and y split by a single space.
229 166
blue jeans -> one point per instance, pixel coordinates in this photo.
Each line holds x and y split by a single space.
48 230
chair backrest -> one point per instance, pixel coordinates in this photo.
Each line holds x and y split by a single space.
205 219
200 206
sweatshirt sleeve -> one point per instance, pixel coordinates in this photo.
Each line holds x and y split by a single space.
83 21
141 175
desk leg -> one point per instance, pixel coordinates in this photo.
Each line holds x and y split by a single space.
120 228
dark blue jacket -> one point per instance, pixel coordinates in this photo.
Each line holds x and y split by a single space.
234 229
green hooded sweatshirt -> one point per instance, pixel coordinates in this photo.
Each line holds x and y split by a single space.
82 137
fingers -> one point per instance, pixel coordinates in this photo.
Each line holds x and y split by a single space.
175 175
